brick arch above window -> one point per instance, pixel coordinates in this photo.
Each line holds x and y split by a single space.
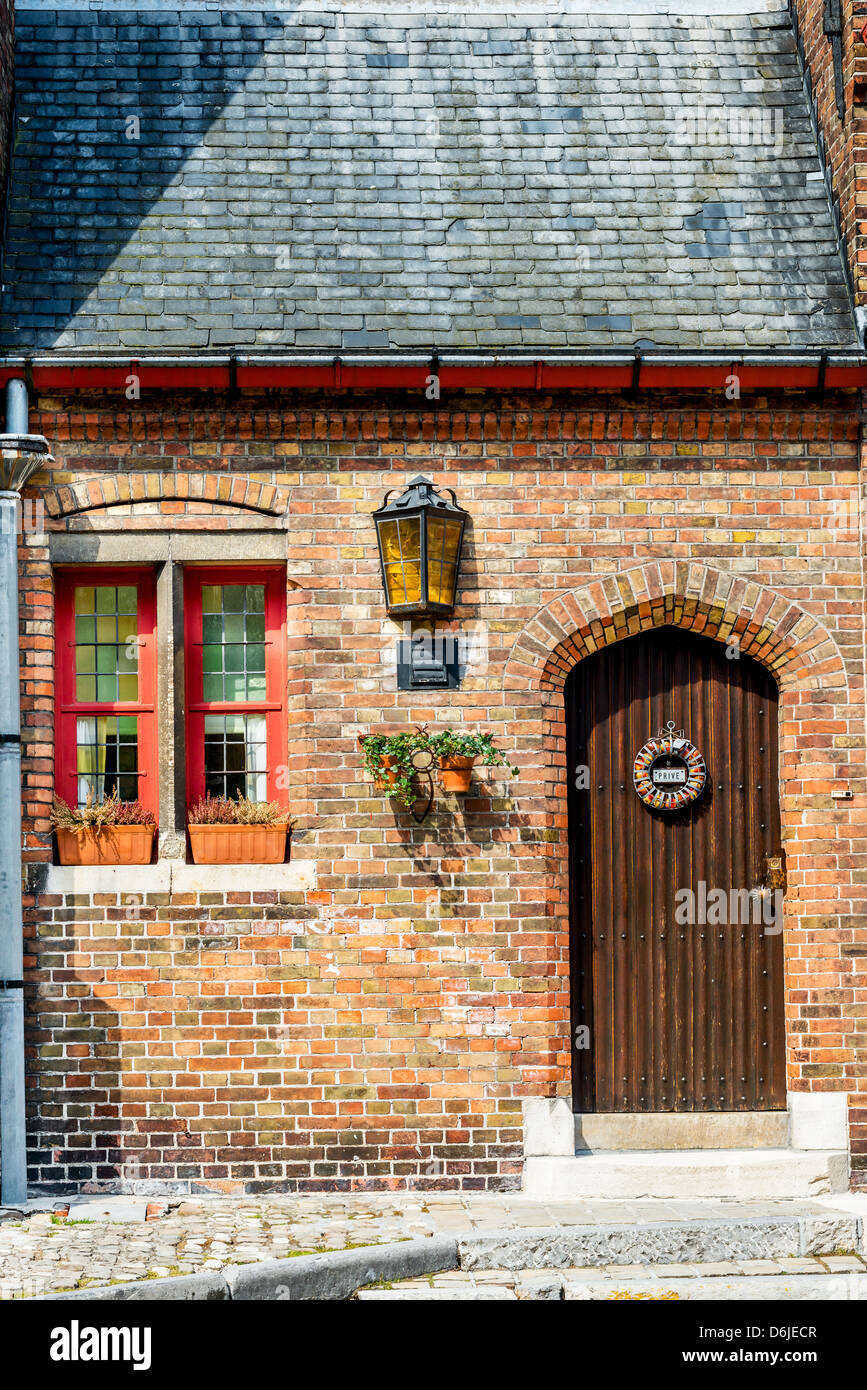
124 489
786 639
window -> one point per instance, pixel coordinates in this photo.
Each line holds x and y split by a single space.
235 655
105 668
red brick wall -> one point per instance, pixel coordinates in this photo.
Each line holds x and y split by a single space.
384 1027
845 142
7 59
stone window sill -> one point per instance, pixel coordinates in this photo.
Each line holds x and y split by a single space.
172 876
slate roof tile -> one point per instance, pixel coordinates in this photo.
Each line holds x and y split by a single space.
481 180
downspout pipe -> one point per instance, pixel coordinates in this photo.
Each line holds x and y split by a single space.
20 455
17 412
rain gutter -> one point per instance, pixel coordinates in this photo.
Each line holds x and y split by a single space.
527 370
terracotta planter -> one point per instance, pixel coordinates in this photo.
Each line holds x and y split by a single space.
238 844
456 773
110 844
389 775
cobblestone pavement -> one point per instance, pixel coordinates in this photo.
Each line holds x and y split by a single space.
105 1240
610 1282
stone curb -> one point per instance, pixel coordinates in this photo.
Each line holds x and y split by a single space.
334 1274
686 1242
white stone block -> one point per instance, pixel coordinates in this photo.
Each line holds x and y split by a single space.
818 1120
549 1128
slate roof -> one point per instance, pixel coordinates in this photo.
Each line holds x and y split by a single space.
327 180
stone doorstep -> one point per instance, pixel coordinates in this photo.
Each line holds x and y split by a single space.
617 1133
737 1174
810 1120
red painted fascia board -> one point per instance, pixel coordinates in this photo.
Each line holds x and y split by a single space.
503 376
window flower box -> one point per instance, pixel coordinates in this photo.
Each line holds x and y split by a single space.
240 831
106 844
110 831
238 844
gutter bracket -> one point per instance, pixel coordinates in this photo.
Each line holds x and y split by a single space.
636 370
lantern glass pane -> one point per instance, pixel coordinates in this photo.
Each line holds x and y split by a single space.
452 541
400 546
394 585
434 582
389 542
443 542
412 580
410 537
441 584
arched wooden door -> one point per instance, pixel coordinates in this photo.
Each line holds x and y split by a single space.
670 1013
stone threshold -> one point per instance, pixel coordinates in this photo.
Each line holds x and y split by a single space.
175 877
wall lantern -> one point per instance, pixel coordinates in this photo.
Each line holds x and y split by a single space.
420 535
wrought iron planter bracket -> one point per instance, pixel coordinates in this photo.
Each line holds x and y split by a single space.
423 769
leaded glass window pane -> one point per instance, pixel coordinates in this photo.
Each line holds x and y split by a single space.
106 643
236 755
233 638
107 757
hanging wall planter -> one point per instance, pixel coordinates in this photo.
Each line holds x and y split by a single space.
394 762
457 753
105 832
456 773
388 776
399 763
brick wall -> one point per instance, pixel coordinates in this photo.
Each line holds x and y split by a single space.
845 142
382 1025
7 59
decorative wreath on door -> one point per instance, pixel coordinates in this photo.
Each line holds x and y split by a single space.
669 771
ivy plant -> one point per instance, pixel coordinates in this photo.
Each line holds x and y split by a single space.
399 772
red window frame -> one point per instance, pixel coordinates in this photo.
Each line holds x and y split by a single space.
68 709
274 706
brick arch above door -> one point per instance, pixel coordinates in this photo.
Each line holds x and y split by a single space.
770 627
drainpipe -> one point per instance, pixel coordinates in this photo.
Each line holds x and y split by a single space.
20 455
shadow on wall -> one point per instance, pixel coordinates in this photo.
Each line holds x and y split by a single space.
109 106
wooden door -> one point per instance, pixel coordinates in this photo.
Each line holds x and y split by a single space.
677 1014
